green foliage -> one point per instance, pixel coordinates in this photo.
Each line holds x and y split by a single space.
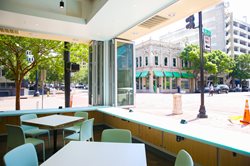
222 62
13 57
13 54
242 67
79 53
81 76
191 53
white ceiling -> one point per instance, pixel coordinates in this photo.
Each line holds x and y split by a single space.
81 20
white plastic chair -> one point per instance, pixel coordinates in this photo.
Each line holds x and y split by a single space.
16 137
183 159
86 132
23 155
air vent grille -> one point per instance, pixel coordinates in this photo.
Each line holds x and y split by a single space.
8 30
154 21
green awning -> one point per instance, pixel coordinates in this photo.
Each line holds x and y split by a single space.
144 74
191 75
158 73
187 75
138 73
168 74
177 74
184 75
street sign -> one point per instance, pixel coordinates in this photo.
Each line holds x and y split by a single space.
207 43
30 57
207 39
206 32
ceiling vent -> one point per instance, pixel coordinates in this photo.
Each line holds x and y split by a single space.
152 22
5 30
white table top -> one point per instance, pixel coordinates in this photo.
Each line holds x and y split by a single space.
80 153
53 121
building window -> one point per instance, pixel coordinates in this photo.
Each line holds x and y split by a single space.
165 61
140 61
137 62
166 83
184 63
174 62
146 61
1 73
185 84
174 83
156 61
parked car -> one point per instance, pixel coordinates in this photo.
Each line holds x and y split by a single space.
221 88
206 89
245 89
236 89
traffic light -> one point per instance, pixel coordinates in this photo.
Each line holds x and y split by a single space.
190 21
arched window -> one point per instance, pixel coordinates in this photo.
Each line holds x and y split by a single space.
146 61
166 61
156 61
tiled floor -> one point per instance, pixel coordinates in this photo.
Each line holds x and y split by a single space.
153 158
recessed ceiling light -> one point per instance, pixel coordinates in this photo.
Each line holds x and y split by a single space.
171 14
135 33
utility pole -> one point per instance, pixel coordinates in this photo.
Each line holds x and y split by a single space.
202 111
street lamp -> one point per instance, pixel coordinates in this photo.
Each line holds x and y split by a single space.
191 25
202 111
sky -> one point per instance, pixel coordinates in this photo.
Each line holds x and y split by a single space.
240 8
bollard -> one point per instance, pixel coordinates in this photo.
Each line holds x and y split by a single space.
177 104
37 104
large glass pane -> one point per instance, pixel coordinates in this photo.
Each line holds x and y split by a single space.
125 79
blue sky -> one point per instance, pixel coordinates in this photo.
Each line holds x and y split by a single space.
240 8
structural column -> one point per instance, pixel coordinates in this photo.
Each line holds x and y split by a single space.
151 86
67 74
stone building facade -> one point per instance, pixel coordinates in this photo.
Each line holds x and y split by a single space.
159 68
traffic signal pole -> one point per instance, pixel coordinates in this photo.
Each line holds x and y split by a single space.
202 111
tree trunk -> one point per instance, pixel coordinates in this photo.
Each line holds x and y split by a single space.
18 88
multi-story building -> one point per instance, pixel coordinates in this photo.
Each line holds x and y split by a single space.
229 35
213 20
237 36
159 68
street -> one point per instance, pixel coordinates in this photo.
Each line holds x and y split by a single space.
219 107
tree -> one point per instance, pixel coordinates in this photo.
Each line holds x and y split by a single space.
191 54
224 63
55 67
14 60
242 67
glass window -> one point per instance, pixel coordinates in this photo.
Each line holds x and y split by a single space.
146 61
125 91
140 61
174 62
184 63
137 62
174 83
185 84
156 60
166 83
165 61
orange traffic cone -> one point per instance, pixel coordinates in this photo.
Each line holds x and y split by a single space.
246 117
71 101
